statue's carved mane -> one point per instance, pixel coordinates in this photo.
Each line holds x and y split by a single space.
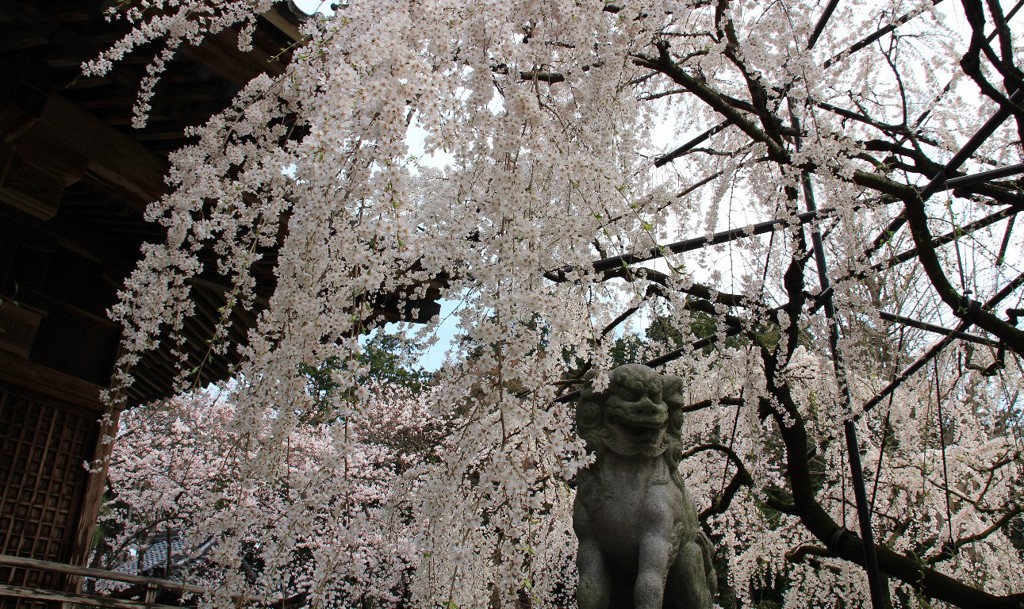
591 421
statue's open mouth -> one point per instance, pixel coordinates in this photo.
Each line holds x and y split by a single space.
639 430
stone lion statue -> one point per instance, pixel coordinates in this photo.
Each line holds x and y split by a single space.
640 544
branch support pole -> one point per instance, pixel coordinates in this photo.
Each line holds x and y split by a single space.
879 594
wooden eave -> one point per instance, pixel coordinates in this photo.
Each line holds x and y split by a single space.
75 178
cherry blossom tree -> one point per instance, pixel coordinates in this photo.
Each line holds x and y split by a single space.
943 480
829 184
332 523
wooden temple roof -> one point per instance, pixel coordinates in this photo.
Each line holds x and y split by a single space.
75 178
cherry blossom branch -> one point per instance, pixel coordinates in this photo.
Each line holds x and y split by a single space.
938 347
696 243
701 405
741 478
667 66
968 310
874 36
950 549
841 542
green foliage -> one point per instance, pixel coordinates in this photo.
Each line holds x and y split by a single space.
665 334
390 359
627 349
387 360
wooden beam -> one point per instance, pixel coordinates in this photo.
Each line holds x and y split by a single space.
23 38
20 108
141 580
275 18
36 187
6 157
34 377
18 326
78 599
117 260
128 578
120 165
221 55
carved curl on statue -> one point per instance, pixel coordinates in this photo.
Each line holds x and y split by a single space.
640 544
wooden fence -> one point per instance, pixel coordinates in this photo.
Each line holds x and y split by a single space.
151 585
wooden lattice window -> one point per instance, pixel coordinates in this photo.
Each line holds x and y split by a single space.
43 445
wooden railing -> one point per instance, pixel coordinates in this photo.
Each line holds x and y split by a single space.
151 585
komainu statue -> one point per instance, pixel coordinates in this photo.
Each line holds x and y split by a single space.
641 546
